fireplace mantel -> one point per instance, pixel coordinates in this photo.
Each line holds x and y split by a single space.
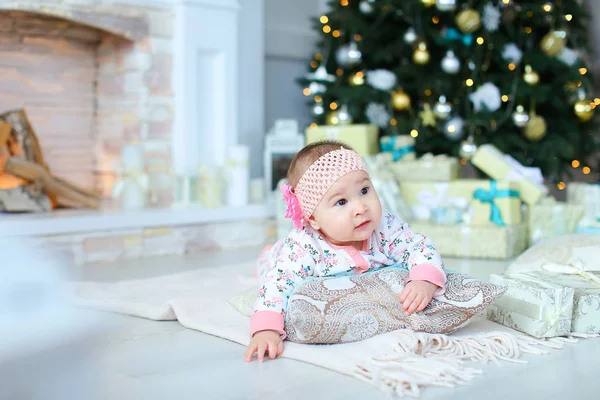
70 222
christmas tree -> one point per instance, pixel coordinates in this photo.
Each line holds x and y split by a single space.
456 74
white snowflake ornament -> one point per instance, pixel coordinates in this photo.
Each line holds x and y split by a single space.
381 79
378 115
491 18
568 56
487 94
512 53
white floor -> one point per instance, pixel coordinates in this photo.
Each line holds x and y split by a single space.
141 359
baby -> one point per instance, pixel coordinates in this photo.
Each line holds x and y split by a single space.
339 228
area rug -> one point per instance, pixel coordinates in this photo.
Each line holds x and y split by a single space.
402 363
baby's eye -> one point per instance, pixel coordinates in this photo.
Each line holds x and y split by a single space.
364 190
341 202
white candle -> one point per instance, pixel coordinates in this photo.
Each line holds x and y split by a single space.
238 175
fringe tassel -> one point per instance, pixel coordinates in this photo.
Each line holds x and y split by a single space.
416 360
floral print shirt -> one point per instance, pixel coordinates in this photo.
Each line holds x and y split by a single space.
305 252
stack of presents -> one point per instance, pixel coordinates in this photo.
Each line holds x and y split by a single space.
494 218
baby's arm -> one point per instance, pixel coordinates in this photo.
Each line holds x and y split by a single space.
427 278
293 263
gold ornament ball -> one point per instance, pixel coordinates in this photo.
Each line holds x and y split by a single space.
531 77
421 55
583 110
535 129
468 21
553 43
332 118
400 100
357 79
428 3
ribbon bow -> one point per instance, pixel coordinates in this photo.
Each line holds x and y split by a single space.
518 171
454 34
139 177
397 153
293 211
430 201
489 196
574 268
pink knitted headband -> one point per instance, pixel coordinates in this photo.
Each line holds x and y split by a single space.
316 181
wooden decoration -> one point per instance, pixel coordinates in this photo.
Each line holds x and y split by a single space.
21 158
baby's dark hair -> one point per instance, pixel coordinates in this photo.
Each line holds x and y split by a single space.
308 155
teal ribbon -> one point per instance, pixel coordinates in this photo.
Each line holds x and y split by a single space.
454 34
489 196
397 154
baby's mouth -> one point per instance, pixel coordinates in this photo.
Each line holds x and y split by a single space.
362 224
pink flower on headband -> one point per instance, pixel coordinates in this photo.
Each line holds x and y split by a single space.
293 211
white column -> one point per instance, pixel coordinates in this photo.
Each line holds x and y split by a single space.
251 73
205 82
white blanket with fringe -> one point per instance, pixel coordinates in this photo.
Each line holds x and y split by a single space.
401 362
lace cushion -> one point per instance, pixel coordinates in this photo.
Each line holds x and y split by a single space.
351 308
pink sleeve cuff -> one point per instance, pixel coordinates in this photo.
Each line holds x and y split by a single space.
429 273
267 321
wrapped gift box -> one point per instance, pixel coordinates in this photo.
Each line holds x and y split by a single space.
501 166
364 139
586 226
478 202
551 218
586 300
488 242
533 304
401 147
586 195
427 168
385 184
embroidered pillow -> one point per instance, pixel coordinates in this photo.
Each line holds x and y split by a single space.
351 308
567 249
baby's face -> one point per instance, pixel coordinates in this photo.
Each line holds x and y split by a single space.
349 211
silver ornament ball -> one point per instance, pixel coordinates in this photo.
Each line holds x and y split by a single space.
410 36
442 108
520 117
450 63
344 116
454 128
467 148
366 6
445 5
348 55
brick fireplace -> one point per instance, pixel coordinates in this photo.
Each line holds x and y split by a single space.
92 77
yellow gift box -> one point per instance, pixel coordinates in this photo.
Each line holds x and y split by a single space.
485 242
500 166
482 202
552 218
364 139
430 168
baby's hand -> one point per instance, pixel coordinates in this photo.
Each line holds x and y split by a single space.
417 295
263 342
